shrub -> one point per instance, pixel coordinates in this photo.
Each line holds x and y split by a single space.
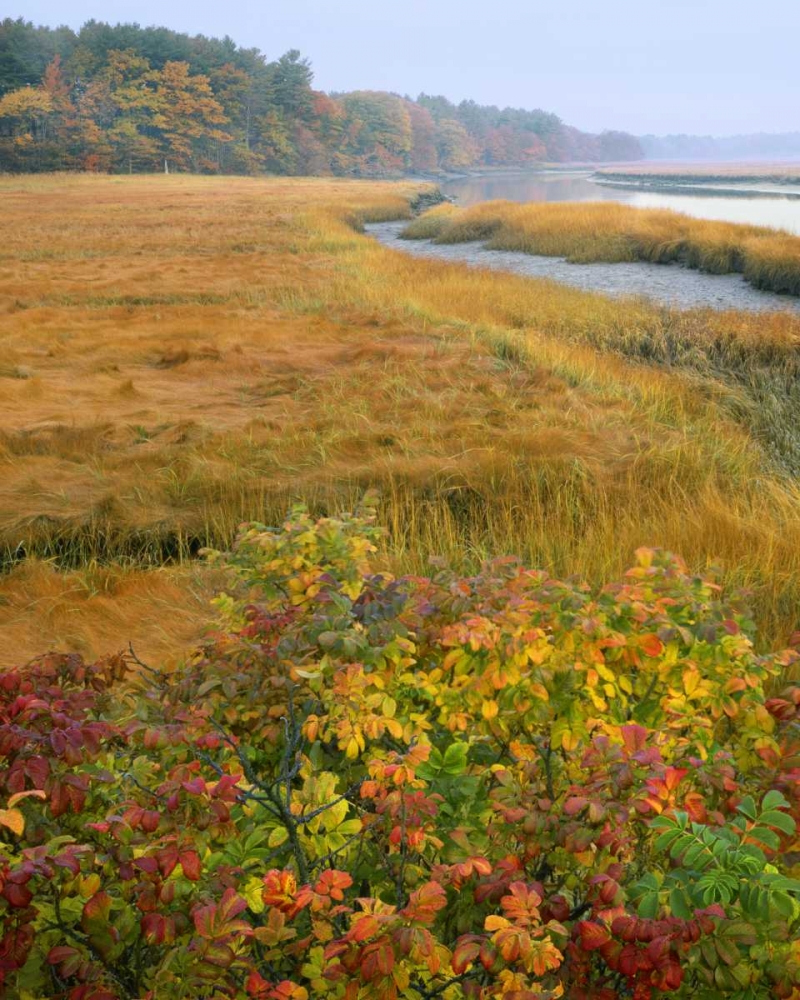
503 786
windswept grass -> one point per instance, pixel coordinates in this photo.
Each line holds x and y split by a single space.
494 414
100 609
605 231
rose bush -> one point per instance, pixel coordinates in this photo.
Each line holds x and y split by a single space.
501 786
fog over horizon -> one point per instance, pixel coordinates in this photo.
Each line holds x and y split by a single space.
710 70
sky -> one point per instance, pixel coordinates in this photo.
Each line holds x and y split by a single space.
709 67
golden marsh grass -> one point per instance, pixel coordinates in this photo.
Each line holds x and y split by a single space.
179 354
606 231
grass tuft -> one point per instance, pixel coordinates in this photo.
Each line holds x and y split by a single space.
603 231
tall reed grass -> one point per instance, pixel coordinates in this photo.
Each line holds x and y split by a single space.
605 231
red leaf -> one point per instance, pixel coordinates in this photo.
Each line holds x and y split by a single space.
465 952
154 928
196 786
97 909
231 905
60 953
592 935
167 859
257 986
634 737
150 820
17 895
190 862
203 918
58 742
331 883
147 864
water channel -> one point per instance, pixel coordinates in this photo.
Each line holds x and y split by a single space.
758 203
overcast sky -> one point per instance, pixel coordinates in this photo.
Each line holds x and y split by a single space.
700 66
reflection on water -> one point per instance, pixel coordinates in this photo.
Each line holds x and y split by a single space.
778 212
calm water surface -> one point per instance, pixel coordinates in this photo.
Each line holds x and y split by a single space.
757 203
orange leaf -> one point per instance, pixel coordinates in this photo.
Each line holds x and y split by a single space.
651 645
593 935
13 819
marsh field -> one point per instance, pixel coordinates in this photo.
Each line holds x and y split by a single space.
179 354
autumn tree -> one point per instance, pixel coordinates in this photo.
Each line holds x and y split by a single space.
455 147
187 118
380 134
424 156
123 97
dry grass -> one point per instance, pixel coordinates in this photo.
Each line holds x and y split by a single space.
179 354
162 613
594 231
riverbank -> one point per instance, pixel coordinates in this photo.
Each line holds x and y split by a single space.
671 286
586 232
716 189
692 173
184 353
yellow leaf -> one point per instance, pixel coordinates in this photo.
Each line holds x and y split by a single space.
494 922
253 893
36 793
13 819
89 886
490 709
276 838
691 678
570 740
401 977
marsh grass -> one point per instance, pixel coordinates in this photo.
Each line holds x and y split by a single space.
252 348
603 231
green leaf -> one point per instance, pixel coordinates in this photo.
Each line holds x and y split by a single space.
694 854
432 766
765 836
748 807
455 758
774 800
784 904
648 905
727 951
679 904
667 839
778 820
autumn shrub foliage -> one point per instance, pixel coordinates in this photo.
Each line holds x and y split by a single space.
503 786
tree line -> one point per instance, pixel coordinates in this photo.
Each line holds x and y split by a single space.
731 148
122 98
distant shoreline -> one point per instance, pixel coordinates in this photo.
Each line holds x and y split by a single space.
688 174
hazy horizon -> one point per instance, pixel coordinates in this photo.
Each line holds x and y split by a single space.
702 72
